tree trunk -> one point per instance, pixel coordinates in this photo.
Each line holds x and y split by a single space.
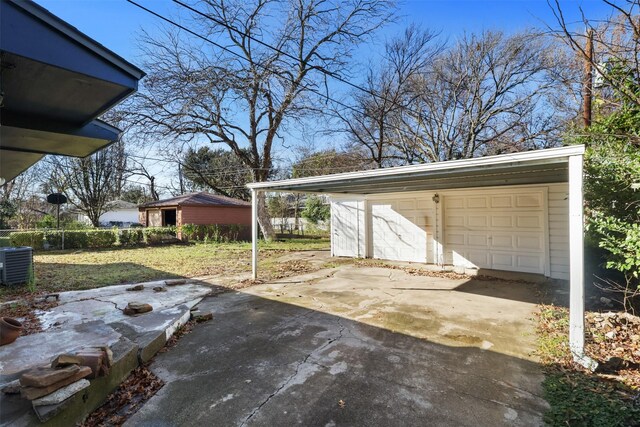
263 217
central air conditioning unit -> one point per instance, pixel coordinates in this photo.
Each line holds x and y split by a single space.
16 265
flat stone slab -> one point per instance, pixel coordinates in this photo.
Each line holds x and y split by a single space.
44 376
39 349
62 394
108 303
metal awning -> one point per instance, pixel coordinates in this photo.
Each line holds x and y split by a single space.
55 82
531 167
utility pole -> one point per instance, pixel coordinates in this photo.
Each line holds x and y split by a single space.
180 178
588 80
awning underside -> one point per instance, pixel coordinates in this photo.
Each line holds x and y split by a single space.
485 176
55 83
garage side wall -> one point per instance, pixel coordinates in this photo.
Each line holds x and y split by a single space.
559 230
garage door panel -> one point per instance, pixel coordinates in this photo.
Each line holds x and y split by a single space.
534 243
477 202
455 238
529 201
501 201
529 221
528 263
455 202
477 258
478 240
502 221
477 221
498 231
502 241
501 261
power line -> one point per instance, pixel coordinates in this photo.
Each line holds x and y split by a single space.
306 87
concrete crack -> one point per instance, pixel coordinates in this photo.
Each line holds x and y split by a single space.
292 376
110 302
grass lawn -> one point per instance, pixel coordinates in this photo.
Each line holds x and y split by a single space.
57 271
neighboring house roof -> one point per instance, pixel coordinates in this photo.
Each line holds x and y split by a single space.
197 199
120 204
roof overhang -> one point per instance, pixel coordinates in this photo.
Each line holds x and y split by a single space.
531 167
56 81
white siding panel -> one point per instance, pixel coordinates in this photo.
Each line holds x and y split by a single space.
559 230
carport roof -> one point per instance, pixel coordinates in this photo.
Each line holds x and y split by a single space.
531 167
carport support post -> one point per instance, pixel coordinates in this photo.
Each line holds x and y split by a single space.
254 234
576 264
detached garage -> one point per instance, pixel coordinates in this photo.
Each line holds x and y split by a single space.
517 212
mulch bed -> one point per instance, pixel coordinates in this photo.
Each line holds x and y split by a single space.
612 339
125 401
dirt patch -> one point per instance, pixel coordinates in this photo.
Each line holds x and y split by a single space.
612 339
24 311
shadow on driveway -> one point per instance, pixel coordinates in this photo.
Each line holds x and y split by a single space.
318 353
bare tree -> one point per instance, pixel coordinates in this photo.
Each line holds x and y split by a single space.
138 168
219 170
242 93
387 91
489 93
616 43
91 182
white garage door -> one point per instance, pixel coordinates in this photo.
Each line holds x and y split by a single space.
398 229
502 231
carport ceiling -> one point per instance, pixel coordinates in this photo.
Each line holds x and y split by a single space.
535 167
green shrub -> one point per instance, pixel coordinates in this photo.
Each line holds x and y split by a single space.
131 237
5 241
157 235
35 239
76 239
100 238
213 232
53 239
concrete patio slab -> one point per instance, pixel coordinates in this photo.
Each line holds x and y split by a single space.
356 346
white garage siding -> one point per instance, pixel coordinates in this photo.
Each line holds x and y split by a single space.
559 230
504 228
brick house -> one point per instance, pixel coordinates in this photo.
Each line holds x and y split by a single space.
195 208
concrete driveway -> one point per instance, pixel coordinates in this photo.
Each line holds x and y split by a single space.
356 346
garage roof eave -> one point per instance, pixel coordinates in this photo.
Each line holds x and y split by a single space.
531 167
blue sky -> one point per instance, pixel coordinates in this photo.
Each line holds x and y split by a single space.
115 23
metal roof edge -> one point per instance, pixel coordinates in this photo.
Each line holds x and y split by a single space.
78 36
526 156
